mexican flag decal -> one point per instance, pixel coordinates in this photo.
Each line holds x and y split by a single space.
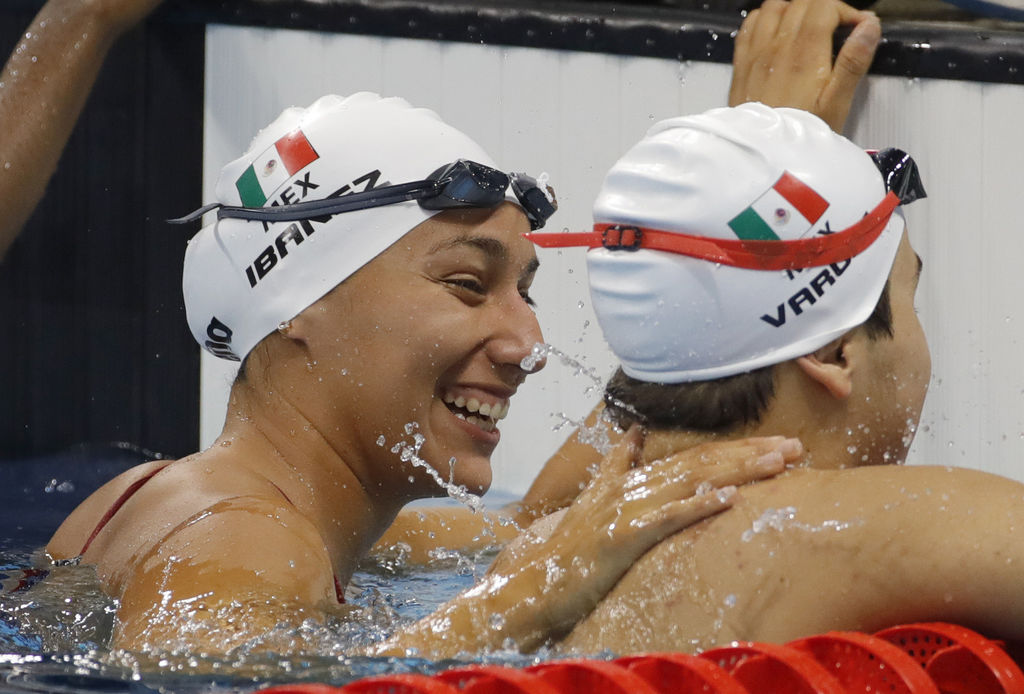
790 207
274 167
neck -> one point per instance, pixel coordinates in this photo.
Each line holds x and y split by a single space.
267 433
798 410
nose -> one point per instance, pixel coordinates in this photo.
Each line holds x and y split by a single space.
514 335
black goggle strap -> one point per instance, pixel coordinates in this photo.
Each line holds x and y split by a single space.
311 209
900 173
463 183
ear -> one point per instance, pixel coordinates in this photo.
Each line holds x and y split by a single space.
831 367
294 330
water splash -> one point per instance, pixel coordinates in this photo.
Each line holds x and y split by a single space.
408 451
542 350
779 519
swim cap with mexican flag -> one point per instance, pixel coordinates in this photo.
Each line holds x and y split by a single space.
735 239
242 279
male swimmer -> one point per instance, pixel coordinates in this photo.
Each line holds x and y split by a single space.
750 269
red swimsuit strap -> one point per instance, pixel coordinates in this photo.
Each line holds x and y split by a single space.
339 590
121 500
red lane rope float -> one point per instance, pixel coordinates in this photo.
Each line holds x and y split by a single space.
926 658
491 679
863 663
766 668
681 673
958 660
591 677
398 684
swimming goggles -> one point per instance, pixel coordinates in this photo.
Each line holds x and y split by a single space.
902 181
463 183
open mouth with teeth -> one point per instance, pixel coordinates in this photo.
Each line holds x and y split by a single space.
484 415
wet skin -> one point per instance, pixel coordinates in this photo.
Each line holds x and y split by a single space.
816 549
444 311
444 314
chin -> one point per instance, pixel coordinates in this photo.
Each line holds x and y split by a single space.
475 476
472 471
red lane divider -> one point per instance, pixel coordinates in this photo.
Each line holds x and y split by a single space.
926 658
865 663
398 684
490 679
682 673
959 660
591 677
767 668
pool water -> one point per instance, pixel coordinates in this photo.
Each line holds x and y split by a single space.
55 622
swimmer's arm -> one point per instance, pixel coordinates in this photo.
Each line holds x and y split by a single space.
895 545
965 529
783 57
45 85
537 590
566 473
225 579
418 534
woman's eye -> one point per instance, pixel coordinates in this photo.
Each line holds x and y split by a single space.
468 284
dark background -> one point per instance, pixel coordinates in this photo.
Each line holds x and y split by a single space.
93 341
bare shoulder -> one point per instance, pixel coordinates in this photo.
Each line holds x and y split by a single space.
245 566
73 534
886 488
866 548
139 511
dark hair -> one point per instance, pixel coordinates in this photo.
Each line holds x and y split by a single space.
718 405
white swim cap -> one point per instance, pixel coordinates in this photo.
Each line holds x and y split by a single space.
242 279
717 192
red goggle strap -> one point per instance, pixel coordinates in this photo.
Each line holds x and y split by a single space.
753 255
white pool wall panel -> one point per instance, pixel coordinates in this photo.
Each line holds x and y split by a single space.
572 114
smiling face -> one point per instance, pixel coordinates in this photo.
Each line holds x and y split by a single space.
432 331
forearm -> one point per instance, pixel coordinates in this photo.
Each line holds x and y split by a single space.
419 533
45 85
529 598
569 470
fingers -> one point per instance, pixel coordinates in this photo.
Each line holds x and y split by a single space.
741 59
745 472
737 452
852 63
783 57
626 453
770 16
681 514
